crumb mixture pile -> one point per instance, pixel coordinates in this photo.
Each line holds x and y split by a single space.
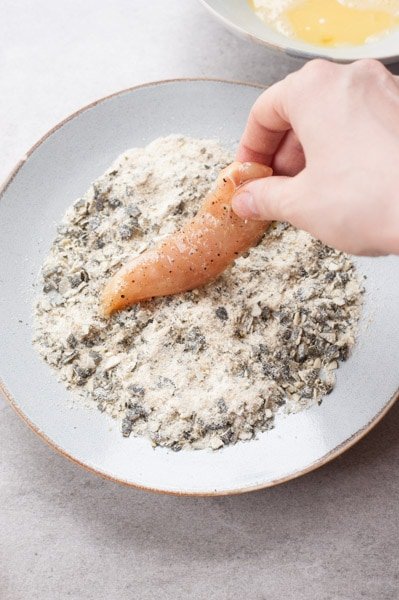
205 368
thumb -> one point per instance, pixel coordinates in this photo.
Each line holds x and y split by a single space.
268 199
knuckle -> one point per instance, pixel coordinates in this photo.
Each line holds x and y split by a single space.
369 67
314 74
258 107
317 69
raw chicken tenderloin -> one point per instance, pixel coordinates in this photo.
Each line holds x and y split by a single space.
194 255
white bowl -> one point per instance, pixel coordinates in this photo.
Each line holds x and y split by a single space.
240 18
57 170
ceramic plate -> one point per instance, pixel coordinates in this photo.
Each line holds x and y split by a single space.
56 172
241 19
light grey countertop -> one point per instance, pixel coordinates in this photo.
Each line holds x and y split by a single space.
65 533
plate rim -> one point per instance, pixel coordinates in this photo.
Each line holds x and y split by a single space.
331 455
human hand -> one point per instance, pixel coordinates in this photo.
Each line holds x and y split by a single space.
331 134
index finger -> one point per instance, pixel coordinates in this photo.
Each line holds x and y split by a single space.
266 126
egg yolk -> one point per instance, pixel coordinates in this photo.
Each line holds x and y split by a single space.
330 23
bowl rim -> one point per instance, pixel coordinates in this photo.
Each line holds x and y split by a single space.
331 455
286 49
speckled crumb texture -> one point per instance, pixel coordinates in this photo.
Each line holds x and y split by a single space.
209 367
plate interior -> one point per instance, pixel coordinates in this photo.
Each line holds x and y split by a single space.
57 172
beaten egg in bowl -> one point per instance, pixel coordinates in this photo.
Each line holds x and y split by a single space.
330 23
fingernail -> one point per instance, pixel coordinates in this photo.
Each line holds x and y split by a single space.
244 205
